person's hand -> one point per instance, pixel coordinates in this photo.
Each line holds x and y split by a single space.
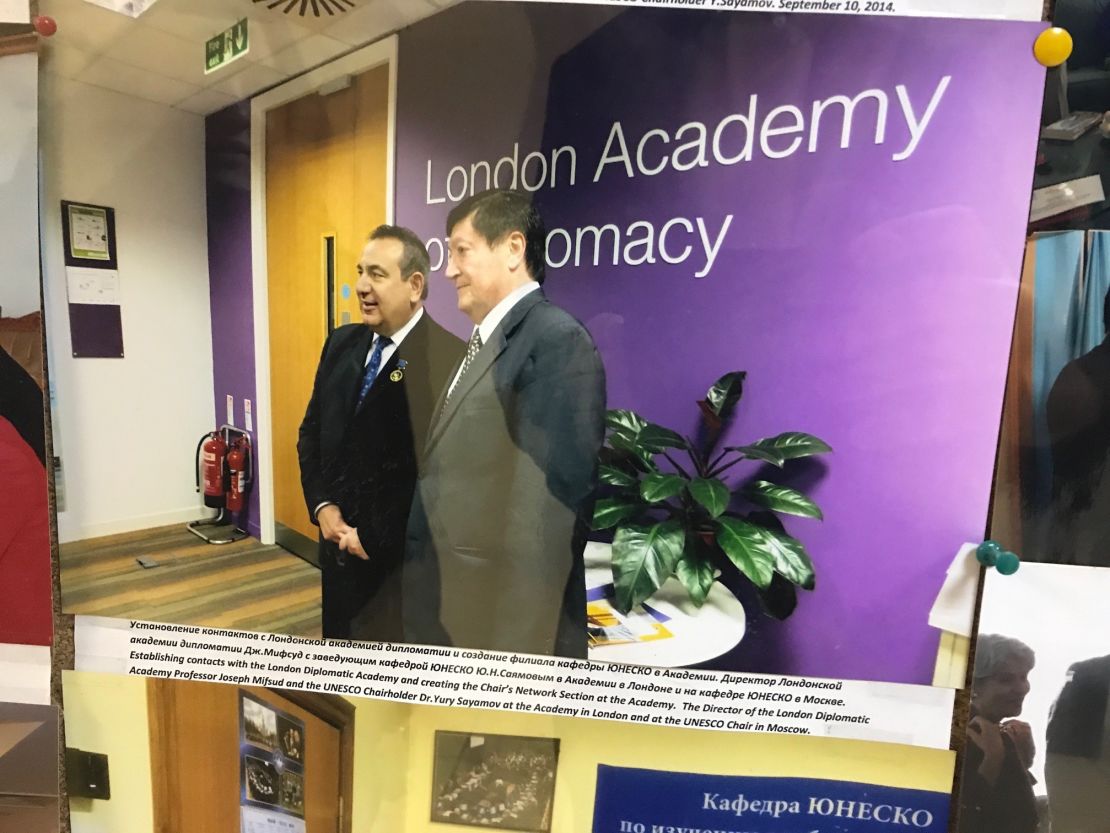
1022 735
350 542
988 737
332 525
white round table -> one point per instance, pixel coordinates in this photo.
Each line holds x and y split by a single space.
698 634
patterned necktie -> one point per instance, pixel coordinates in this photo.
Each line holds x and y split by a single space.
472 348
373 366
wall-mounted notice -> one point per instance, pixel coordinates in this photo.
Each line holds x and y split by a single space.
88 232
641 800
92 286
92 280
271 766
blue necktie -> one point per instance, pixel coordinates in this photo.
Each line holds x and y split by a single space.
373 366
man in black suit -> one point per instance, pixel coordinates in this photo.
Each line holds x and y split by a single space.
494 552
1077 764
376 386
1078 414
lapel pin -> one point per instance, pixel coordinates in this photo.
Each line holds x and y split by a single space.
398 374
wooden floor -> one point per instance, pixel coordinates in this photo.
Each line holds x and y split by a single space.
245 585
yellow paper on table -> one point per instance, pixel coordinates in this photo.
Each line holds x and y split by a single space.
608 626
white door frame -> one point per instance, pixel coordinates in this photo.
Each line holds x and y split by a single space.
374 55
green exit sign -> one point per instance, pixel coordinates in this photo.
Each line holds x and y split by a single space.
225 47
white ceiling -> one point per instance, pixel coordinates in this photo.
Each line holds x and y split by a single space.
159 56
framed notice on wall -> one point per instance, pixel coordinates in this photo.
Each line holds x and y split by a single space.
271 767
501 781
92 280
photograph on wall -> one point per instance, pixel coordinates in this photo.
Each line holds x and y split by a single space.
388 765
630 798
496 781
180 744
1052 503
262 780
291 734
1071 184
756 356
292 792
1037 754
634 373
25 603
260 725
272 769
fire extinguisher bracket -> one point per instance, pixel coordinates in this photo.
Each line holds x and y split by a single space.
223 475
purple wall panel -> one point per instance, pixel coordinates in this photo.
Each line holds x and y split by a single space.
228 166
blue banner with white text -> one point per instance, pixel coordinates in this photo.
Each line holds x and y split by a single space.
649 801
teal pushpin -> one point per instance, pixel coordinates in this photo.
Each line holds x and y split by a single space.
988 552
1007 563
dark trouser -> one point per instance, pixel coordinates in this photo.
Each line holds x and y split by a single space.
360 599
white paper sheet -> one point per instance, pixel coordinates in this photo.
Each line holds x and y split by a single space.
15 11
92 286
954 608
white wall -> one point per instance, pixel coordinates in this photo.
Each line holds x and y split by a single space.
128 427
19 255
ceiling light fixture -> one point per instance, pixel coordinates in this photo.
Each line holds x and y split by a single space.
302 7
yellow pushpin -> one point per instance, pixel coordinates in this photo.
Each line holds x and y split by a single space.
1052 47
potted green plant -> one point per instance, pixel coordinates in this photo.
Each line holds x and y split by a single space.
671 507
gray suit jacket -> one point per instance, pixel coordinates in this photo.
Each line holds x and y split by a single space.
493 554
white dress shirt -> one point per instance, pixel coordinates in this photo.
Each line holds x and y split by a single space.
493 318
397 338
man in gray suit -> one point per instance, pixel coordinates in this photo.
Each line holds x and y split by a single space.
493 556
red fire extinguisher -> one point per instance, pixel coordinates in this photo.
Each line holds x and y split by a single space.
239 467
211 462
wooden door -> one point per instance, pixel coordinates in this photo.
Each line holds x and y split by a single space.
325 191
195 755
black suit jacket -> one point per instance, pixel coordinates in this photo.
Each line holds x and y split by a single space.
499 520
364 460
1077 719
1078 414
1008 805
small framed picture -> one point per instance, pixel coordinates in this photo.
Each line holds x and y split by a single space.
89 234
292 792
501 781
260 725
291 738
262 780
